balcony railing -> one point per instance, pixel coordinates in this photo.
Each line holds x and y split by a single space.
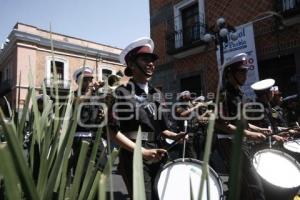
5 86
288 8
61 83
185 38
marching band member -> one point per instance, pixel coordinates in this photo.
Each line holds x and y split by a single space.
190 110
278 112
264 96
137 104
234 76
90 114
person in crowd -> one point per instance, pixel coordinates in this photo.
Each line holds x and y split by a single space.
278 112
90 117
234 76
264 94
191 111
138 104
291 105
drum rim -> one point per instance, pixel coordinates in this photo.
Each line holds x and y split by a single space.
279 152
285 146
211 170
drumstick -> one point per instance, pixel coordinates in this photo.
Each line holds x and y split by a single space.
184 142
173 144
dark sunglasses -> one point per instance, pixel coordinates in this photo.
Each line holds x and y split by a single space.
147 58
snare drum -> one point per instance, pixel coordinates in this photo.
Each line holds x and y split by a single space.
181 180
279 171
292 145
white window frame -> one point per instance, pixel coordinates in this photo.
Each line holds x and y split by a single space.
48 69
178 18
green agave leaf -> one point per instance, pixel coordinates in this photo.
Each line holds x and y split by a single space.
235 164
60 159
79 170
8 170
94 188
66 121
15 148
138 173
106 173
88 181
207 151
24 115
191 189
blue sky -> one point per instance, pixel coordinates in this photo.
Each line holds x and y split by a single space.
111 22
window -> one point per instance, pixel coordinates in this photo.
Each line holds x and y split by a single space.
59 70
188 22
62 69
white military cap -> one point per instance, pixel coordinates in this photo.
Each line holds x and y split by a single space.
86 71
263 85
182 94
241 57
200 98
143 45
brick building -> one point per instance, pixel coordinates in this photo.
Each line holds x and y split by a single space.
30 47
178 27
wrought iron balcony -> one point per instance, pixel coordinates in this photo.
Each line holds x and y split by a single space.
288 8
185 38
61 83
5 86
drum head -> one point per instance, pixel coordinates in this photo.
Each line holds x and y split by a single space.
293 145
277 168
181 180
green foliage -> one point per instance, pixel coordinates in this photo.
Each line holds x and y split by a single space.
42 171
138 175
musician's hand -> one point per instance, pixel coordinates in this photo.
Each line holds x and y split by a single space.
181 137
98 85
203 120
255 136
153 154
94 87
279 138
265 131
293 132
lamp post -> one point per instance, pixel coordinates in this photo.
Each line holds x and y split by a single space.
219 33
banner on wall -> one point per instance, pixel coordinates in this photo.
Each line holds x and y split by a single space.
244 44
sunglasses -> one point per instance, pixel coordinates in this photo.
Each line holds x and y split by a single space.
147 58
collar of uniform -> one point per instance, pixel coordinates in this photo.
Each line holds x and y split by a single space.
144 87
140 91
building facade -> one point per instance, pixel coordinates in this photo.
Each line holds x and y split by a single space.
28 51
178 28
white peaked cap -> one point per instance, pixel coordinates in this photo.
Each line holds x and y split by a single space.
263 84
87 71
241 57
140 42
